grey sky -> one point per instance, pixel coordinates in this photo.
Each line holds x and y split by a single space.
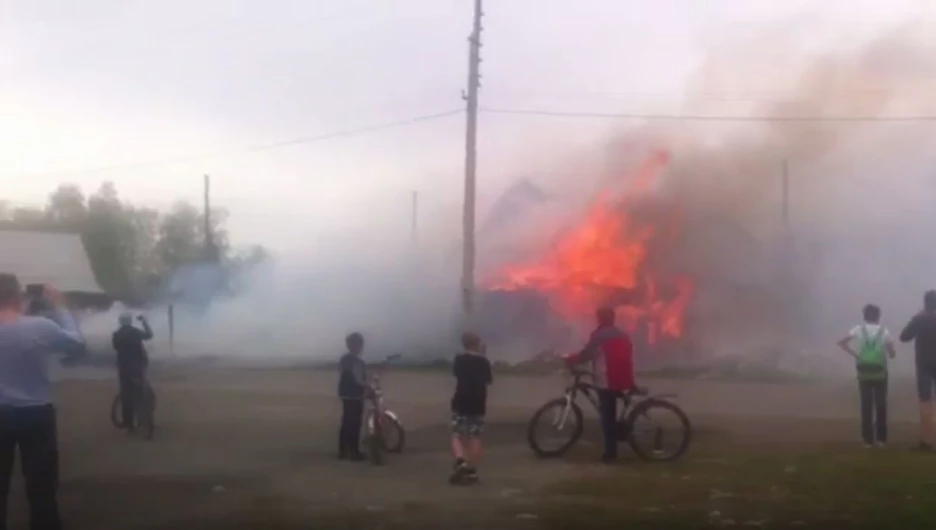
99 83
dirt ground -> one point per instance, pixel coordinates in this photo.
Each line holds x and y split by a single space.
251 448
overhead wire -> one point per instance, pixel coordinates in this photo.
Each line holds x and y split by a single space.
704 117
255 148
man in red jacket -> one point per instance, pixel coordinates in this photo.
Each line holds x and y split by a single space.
611 354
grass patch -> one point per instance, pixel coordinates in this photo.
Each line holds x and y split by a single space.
852 489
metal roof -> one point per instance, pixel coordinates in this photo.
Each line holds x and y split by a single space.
53 258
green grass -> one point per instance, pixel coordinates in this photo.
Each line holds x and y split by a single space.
851 489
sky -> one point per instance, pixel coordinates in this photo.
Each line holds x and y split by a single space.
153 95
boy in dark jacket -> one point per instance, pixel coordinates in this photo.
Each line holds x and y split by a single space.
472 372
352 387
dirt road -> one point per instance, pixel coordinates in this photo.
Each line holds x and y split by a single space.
256 448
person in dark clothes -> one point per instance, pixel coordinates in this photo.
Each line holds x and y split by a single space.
27 415
874 346
131 363
352 389
472 371
922 331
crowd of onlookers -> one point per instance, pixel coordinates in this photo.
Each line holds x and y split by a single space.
871 345
28 416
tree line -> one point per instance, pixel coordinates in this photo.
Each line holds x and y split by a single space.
133 249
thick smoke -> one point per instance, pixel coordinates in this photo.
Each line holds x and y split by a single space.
860 196
855 228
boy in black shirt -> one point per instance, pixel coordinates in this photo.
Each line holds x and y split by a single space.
352 387
472 372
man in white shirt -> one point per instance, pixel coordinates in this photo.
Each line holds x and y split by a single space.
871 344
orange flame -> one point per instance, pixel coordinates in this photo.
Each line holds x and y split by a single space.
605 256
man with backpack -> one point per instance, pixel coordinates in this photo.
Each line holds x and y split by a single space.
874 345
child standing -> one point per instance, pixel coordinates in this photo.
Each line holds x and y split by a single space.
352 386
874 345
472 372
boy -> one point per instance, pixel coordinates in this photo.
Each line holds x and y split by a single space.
874 346
352 387
472 372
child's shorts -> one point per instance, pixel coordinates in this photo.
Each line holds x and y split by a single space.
467 425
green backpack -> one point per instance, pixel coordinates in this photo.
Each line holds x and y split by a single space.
872 360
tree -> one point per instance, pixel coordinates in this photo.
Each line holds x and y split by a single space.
109 240
67 208
133 250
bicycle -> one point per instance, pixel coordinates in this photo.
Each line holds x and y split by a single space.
384 431
638 404
145 402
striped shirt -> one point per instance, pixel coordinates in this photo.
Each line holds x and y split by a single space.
24 348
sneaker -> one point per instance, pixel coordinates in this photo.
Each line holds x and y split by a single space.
923 447
357 457
881 445
868 446
471 474
459 473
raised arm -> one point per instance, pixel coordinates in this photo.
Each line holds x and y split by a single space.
909 332
62 334
147 330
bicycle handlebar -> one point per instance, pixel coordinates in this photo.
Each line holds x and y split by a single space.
578 374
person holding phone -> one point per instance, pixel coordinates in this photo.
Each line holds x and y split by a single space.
132 361
27 415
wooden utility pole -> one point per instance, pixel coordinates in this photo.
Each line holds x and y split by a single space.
785 212
471 136
413 227
211 250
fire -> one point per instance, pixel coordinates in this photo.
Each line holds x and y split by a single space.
603 260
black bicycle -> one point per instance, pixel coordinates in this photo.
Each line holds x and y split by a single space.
639 421
144 415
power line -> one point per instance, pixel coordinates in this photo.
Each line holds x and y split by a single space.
254 148
689 117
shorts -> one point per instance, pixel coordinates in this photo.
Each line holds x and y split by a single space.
467 425
926 380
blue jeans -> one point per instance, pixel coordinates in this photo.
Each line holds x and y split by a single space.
607 408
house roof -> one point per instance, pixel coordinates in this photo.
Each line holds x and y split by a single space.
52 258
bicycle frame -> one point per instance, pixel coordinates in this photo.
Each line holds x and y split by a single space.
590 391
376 400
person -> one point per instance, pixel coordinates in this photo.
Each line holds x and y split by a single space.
472 371
27 415
922 331
611 354
875 345
352 389
132 361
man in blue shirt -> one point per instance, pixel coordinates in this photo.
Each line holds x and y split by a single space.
27 416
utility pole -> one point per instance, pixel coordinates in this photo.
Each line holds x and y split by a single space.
211 251
413 227
785 212
471 136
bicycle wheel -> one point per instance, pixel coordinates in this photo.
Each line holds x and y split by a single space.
115 412
563 424
661 423
392 434
374 440
146 412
